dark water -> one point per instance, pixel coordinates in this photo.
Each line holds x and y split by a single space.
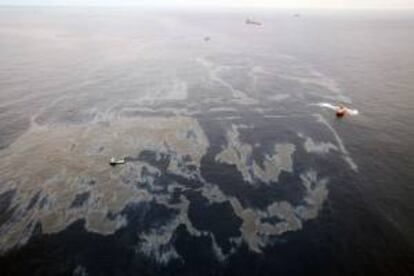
232 166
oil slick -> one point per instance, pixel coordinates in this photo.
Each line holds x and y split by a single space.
213 71
87 188
255 229
44 158
240 154
317 147
58 173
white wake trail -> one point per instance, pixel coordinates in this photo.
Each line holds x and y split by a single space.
335 107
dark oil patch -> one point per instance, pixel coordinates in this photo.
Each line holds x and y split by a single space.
6 212
219 218
33 201
43 202
6 199
80 199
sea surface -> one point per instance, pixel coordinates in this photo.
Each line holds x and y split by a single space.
235 161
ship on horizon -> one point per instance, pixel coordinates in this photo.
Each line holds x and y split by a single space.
253 22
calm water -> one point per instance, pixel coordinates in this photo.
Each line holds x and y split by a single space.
234 166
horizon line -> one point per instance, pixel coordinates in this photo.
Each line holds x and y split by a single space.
229 6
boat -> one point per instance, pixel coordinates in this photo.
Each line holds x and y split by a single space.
252 22
114 162
341 111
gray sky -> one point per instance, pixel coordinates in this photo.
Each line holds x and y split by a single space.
379 4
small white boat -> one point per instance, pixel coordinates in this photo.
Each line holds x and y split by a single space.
114 161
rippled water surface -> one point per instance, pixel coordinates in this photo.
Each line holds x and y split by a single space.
235 162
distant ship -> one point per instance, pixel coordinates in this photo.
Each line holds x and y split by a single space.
252 22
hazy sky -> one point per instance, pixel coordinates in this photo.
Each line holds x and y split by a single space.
380 4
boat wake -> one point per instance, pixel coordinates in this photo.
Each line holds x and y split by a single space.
335 107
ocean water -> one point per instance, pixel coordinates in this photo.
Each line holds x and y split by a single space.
235 162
